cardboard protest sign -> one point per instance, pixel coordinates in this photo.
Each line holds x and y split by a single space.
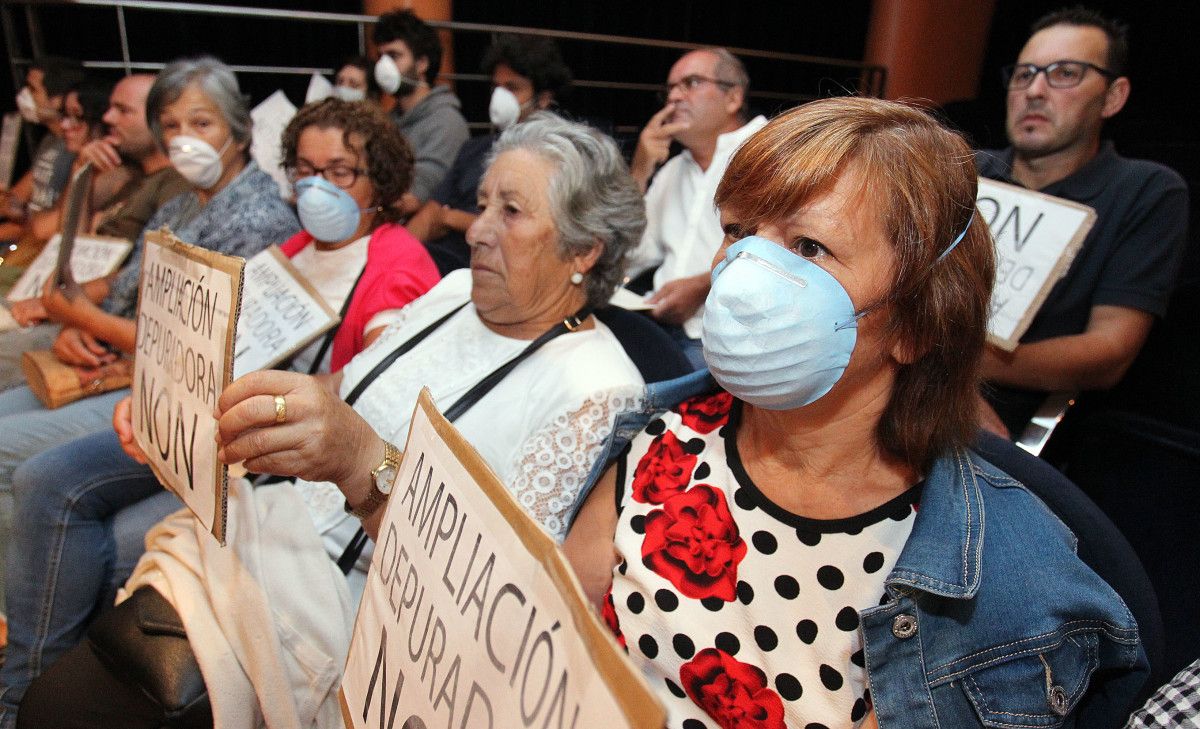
471 616
188 305
271 117
1037 237
281 313
10 137
92 257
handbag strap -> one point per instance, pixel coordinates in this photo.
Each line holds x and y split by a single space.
475 394
395 354
329 335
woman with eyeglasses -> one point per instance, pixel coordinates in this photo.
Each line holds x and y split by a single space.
347 162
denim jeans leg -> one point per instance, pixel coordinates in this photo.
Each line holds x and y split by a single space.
27 429
63 551
129 528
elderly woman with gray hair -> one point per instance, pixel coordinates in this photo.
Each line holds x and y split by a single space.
558 211
198 115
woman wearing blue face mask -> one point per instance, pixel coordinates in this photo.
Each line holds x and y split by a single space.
348 162
816 532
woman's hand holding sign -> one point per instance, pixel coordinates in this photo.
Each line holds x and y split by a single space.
290 424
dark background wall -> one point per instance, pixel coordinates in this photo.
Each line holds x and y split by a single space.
1155 119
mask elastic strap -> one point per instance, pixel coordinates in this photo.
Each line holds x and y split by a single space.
958 240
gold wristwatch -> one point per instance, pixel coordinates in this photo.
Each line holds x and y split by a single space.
383 477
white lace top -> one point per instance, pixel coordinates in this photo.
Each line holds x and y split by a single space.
540 428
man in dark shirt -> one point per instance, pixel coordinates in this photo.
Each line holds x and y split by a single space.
528 75
410 56
1069 79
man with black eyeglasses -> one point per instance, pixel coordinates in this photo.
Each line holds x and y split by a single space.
705 111
1068 79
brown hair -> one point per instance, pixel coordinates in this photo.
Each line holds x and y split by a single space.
367 131
922 177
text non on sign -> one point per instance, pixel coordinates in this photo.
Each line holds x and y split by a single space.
1036 237
188 304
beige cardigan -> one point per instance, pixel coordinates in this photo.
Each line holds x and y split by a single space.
269 616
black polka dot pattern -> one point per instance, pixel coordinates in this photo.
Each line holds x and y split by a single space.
683 645
873 562
744 499
781 597
764 542
830 677
847 619
656 427
806 630
788 687
766 638
830 577
649 646
808 538
745 593
728 642
859 710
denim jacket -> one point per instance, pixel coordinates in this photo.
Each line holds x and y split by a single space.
993 620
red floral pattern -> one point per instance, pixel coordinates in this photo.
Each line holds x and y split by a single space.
733 693
693 542
664 471
706 414
609 613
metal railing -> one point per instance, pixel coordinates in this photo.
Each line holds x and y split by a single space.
871 79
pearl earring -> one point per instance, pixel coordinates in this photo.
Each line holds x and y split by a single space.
577 278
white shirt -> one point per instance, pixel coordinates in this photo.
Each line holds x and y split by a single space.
683 229
540 428
332 274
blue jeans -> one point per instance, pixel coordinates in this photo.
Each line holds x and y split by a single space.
27 428
68 553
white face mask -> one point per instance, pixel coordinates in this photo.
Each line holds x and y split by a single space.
389 78
504 110
27 106
196 160
347 93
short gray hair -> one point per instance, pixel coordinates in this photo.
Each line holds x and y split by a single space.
214 79
730 69
592 197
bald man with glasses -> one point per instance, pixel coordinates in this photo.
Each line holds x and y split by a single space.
705 111
1069 78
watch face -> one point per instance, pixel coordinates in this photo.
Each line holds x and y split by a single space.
385 478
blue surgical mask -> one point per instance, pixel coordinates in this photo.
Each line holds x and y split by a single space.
778 329
326 211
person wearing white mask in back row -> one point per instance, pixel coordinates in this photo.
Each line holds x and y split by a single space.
428 116
40 102
528 74
198 116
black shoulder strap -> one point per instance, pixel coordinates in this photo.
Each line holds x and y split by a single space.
395 354
475 394
316 363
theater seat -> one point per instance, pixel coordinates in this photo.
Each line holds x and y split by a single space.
1103 548
655 354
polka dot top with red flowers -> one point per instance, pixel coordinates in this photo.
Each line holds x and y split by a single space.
741 613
